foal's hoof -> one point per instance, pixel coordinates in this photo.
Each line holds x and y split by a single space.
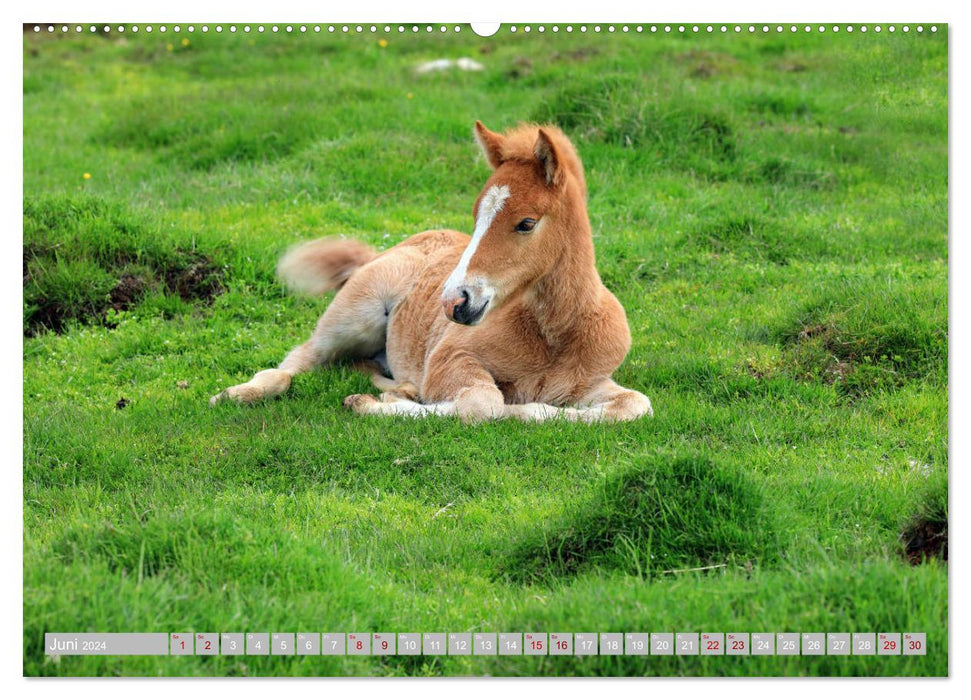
359 403
241 393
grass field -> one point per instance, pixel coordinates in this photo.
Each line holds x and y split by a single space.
771 210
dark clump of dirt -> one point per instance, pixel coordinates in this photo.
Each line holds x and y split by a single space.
49 317
925 536
662 516
195 278
521 67
575 55
926 539
821 351
792 66
129 290
706 64
831 354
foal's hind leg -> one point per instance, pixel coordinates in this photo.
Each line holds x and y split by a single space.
353 326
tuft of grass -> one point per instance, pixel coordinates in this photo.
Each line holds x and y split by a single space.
188 129
56 291
621 111
866 335
661 514
791 172
747 237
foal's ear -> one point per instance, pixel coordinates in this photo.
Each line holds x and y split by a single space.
548 158
491 144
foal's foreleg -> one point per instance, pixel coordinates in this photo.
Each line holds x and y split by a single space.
272 382
353 326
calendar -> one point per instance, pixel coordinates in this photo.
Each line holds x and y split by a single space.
487 644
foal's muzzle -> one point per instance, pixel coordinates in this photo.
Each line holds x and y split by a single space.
464 307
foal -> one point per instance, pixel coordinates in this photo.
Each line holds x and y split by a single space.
512 322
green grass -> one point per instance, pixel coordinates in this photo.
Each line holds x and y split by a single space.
771 211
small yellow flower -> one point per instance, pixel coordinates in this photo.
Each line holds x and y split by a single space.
87 176
169 47
185 42
409 95
382 43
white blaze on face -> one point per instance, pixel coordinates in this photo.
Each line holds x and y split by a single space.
490 205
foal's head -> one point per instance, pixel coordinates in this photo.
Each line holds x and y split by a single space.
522 219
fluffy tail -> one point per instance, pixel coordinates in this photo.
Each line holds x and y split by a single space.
322 265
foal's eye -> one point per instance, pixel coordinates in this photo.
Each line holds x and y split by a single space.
526 225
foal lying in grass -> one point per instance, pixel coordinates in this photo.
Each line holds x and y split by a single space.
513 322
